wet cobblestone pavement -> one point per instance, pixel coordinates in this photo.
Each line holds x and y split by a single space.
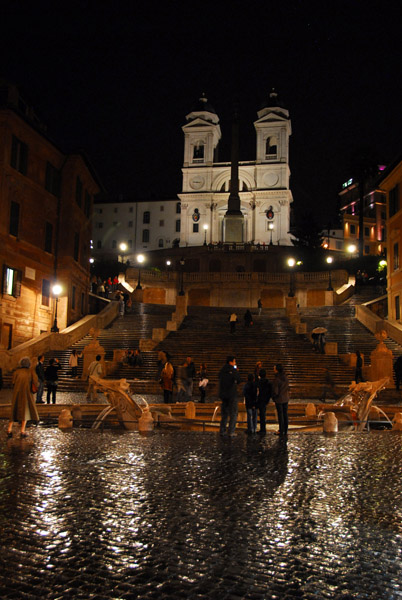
190 515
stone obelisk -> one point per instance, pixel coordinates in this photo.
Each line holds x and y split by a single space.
234 219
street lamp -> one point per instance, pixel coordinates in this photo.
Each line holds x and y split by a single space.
205 232
291 265
182 263
123 247
329 262
168 263
351 249
56 290
140 260
271 228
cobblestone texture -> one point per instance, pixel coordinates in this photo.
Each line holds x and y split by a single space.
190 515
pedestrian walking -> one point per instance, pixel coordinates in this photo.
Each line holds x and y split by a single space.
40 373
359 367
228 380
250 400
264 393
52 376
232 322
257 369
183 383
94 371
328 386
191 375
398 372
248 318
259 305
203 381
167 380
23 407
73 363
280 395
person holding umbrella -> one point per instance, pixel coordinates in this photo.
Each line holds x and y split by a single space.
318 337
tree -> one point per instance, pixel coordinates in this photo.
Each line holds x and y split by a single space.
307 233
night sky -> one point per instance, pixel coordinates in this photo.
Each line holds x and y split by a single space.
117 79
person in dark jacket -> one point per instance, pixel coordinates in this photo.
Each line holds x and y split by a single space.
51 376
40 372
228 380
280 395
248 318
359 367
250 400
398 372
264 392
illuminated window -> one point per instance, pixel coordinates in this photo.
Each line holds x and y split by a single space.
11 281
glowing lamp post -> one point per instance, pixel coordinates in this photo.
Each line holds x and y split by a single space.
56 290
123 247
329 260
205 234
291 265
271 228
140 260
168 263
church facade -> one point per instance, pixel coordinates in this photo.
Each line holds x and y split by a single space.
265 196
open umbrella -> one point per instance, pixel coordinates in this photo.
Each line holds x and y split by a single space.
319 330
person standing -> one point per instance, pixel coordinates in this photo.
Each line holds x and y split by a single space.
73 363
280 395
23 407
359 367
228 380
264 392
191 375
203 377
398 372
250 400
259 304
51 376
232 322
167 380
248 318
40 373
94 370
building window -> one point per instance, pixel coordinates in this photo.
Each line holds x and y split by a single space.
178 208
82 303
195 227
100 225
178 225
100 211
73 297
114 244
366 249
14 218
367 231
130 209
76 246
48 237
198 152
115 210
130 223
397 308
353 229
271 146
396 256
161 208
146 217
394 200
19 155
145 235
87 204
99 244
161 223
52 181
11 281
160 243
338 245
45 292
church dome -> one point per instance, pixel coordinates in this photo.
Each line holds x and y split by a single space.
204 110
273 100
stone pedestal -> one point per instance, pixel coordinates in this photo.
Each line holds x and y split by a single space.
330 423
145 422
381 361
65 419
190 410
311 410
181 307
137 296
331 348
233 225
291 305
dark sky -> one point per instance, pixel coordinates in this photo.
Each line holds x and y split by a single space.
117 79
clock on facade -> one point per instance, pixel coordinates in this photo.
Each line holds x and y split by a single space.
197 182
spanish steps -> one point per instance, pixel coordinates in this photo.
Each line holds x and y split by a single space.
204 335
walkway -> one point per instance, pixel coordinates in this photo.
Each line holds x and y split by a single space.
191 516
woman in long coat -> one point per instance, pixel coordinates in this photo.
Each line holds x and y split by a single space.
23 407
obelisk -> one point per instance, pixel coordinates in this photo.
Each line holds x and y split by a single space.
234 219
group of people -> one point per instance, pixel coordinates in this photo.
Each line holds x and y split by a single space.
133 358
257 393
104 287
182 378
248 320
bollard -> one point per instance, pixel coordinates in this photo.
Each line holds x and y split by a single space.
397 422
65 419
145 422
330 423
190 410
310 410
